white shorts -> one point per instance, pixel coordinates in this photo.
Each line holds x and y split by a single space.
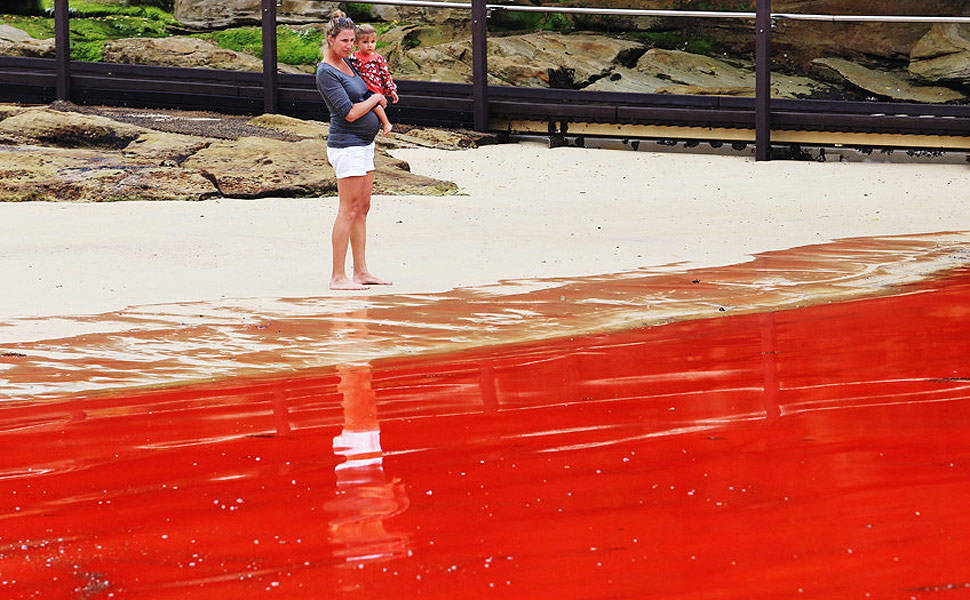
352 161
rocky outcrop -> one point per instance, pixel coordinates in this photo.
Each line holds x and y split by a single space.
807 40
533 60
442 139
9 109
182 51
207 14
303 11
49 127
87 175
674 72
418 14
163 148
403 181
56 155
942 55
588 22
16 42
403 136
300 127
897 86
251 167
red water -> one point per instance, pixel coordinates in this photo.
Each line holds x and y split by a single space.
820 453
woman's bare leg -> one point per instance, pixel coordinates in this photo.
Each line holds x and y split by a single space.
348 188
358 235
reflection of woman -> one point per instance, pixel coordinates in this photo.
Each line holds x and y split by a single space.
350 149
365 497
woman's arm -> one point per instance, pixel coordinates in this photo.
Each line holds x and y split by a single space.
364 106
339 102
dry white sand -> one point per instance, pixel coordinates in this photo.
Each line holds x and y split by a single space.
529 212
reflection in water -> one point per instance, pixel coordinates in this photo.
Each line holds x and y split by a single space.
365 496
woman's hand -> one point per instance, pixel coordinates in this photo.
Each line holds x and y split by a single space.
365 106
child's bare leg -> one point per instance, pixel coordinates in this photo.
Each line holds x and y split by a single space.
382 115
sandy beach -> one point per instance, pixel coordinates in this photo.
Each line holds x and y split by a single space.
527 212
189 412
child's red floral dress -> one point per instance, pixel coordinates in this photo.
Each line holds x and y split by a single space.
375 73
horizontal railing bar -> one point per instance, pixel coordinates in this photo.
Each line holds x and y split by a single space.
627 12
868 18
703 14
426 3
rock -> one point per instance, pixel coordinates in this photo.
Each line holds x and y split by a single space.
258 167
9 110
252 167
403 136
9 33
16 42
307 129
616 22
693 90
162 148
419 14
208 14
394 177
128 162
532 60
675 72
182 51
56 128
890 85
443 139
794 44
450 62
623 79
303 11
942 55
205 14
86 175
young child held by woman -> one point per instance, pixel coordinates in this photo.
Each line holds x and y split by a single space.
373 69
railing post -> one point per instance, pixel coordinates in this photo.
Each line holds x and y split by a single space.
62 49
270 75
762 119
480 65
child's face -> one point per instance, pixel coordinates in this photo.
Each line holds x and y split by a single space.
367 43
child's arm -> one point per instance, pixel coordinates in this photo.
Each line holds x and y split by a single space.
388 87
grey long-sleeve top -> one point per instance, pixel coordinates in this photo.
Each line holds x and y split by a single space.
341 91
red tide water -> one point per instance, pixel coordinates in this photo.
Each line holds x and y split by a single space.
814 453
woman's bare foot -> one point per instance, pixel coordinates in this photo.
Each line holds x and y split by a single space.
342 283
366 278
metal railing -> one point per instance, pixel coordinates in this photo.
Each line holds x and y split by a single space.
763 19
698 14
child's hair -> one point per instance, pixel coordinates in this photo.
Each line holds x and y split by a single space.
338 22
366 29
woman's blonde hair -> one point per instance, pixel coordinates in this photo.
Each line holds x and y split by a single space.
338 22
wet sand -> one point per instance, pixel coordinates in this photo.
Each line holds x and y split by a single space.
546 243
818 452
181 343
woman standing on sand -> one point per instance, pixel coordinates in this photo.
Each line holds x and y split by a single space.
350 149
